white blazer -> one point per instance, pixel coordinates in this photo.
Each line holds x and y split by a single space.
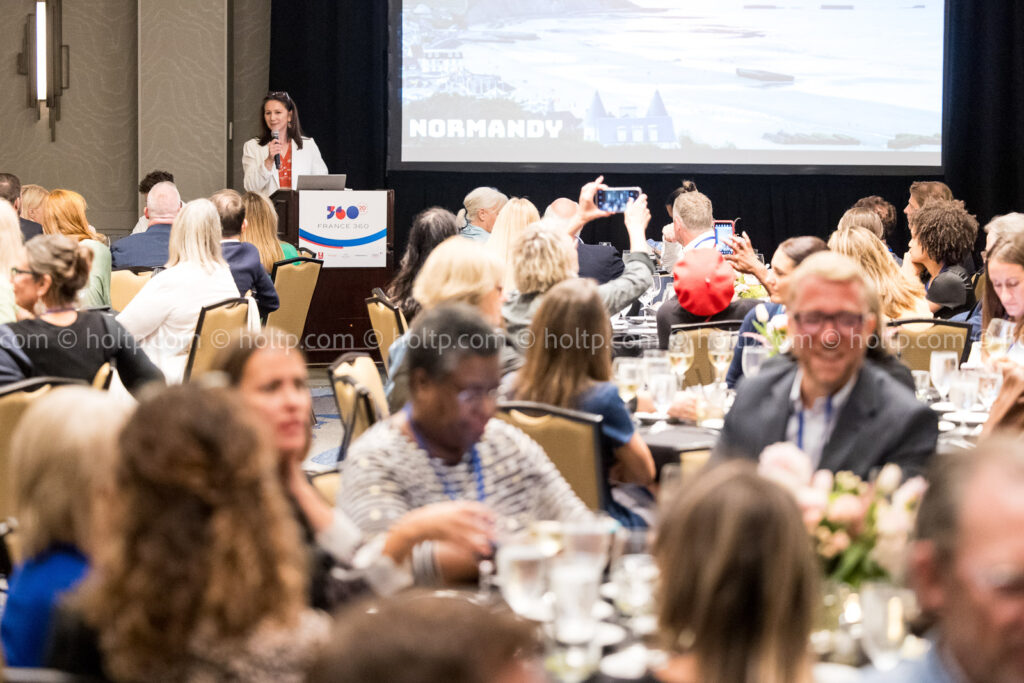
305 161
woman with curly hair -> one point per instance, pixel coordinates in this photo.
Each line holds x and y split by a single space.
198 570
430 227
942 233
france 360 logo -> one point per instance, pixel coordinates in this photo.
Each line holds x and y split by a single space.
340 212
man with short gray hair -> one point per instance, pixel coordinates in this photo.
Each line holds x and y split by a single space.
150 248
693 227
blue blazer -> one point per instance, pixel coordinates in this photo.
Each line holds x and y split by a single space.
599 261
144 249
29 229
244 261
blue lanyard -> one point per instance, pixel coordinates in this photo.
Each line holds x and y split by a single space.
800 423
474 461
702 240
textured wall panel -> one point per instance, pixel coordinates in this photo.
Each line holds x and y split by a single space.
183 92
96 150
251 74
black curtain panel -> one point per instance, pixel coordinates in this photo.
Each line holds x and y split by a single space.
332 57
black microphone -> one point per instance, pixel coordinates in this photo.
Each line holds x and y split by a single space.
277 157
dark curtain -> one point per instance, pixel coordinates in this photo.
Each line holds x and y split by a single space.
332 57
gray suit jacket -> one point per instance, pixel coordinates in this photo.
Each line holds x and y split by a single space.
881 422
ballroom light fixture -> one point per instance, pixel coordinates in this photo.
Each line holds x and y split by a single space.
45 61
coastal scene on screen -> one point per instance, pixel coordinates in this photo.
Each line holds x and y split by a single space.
843 82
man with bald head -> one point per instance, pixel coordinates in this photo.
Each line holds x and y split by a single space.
602 262
149 249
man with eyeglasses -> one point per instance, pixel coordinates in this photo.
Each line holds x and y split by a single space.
841 409
446 445
967 569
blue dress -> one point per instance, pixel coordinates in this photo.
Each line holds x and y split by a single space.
36 587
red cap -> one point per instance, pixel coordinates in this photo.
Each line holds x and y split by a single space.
703 282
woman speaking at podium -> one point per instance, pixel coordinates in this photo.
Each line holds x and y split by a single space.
281 154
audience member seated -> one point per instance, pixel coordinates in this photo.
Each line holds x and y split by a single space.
692 226
64 214
600 262
1004 291
61 341
163 315
739 582
147 183
886 212
271 376
965 566
787 257
429 228
941 234
447 445
845 413
507 232
10 190
429 638
199 573
149 248
260 230
705 285
547 256
243 259
32 199
62 455
577 374
862 218
902 295
996 229
457 271
479 210
922 192
10 253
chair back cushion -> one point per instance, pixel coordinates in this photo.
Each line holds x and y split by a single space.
295 281
217 323
124 285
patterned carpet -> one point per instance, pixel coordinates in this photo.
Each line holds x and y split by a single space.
327 431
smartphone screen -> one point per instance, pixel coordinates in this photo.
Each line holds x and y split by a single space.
724 230
615 199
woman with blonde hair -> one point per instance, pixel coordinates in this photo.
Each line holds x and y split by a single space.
902 296
260 230
11 251
163 315
738 581
198 569
479 210
457 271
860 217
508 232
62 454
569 365
32 199
61 340
64 214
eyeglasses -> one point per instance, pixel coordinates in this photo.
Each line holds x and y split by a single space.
19 271
843 321
473 395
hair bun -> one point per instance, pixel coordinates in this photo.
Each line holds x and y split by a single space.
689 186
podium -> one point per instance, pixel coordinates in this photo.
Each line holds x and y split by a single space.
355 259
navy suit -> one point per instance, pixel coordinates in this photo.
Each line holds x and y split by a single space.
601 262
29 229
244 261
144 249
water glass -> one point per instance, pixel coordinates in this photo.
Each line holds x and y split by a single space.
522 573
588 541
943 365
754 356
575 584
885 609
635 577
998 338
922 384
963 392
989 384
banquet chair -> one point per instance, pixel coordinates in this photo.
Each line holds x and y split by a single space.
702 372
124 285
918 338
295 280
217 323
15 398
327 484
359 395
572 440
306 252
387 321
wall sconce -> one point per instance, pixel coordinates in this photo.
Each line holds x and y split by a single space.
45 61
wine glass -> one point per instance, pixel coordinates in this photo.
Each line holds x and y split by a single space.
989 384
754 356
963 392
998 338
922 383
627 373
680 355
521 570
720 350
884 622
942 366
661 384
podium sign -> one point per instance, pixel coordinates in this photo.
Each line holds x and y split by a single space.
346 228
